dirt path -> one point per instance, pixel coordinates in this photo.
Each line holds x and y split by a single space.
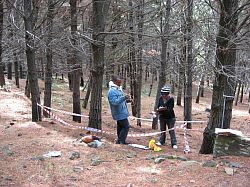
22 144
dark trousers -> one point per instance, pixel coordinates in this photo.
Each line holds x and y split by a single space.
163 127
122 130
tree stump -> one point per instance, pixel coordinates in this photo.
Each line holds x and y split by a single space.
231 142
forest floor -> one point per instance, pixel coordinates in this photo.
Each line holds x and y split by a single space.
23 144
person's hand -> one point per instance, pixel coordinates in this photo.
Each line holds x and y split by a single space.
128 98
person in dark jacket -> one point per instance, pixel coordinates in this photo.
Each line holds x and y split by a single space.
119 109
166 116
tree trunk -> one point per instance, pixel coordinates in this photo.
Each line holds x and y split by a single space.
75 75
86 99
183 58
100 9
164 26
199 89
189 67
9 70
225 54
242 93
31 13
237 94
139 64
27 87
16 69
21 71
49 57
132 60
2 80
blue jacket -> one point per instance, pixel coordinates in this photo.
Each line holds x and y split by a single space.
118 104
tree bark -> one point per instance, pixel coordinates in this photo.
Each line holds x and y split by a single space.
75 74
49 57
16 69
225 54
164 30
132 60
87 95
31 13
9 70
2 80
189 66
183 58
139 63
100 9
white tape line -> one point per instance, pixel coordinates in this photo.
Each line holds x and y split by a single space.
98 130
61 111
131 117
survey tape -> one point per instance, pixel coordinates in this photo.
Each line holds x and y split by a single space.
47 109
98 130
130 117
62 111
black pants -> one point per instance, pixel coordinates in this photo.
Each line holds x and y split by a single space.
163 126
122 130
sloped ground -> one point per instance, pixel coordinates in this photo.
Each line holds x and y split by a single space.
22 144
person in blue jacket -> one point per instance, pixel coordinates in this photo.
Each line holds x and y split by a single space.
119 109
167 116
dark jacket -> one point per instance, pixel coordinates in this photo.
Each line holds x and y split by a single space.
169 112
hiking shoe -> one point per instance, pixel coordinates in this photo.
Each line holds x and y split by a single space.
175 147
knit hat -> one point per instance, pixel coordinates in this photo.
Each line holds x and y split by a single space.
165 89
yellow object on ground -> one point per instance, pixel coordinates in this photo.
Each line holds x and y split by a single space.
153 146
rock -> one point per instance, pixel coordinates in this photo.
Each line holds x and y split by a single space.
209 163
234 165
41 158
159 160
78 169
131 155
150 157
229 171
74 155
188 164
231 142
95 161
95 144
52 154
181 158
6 149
